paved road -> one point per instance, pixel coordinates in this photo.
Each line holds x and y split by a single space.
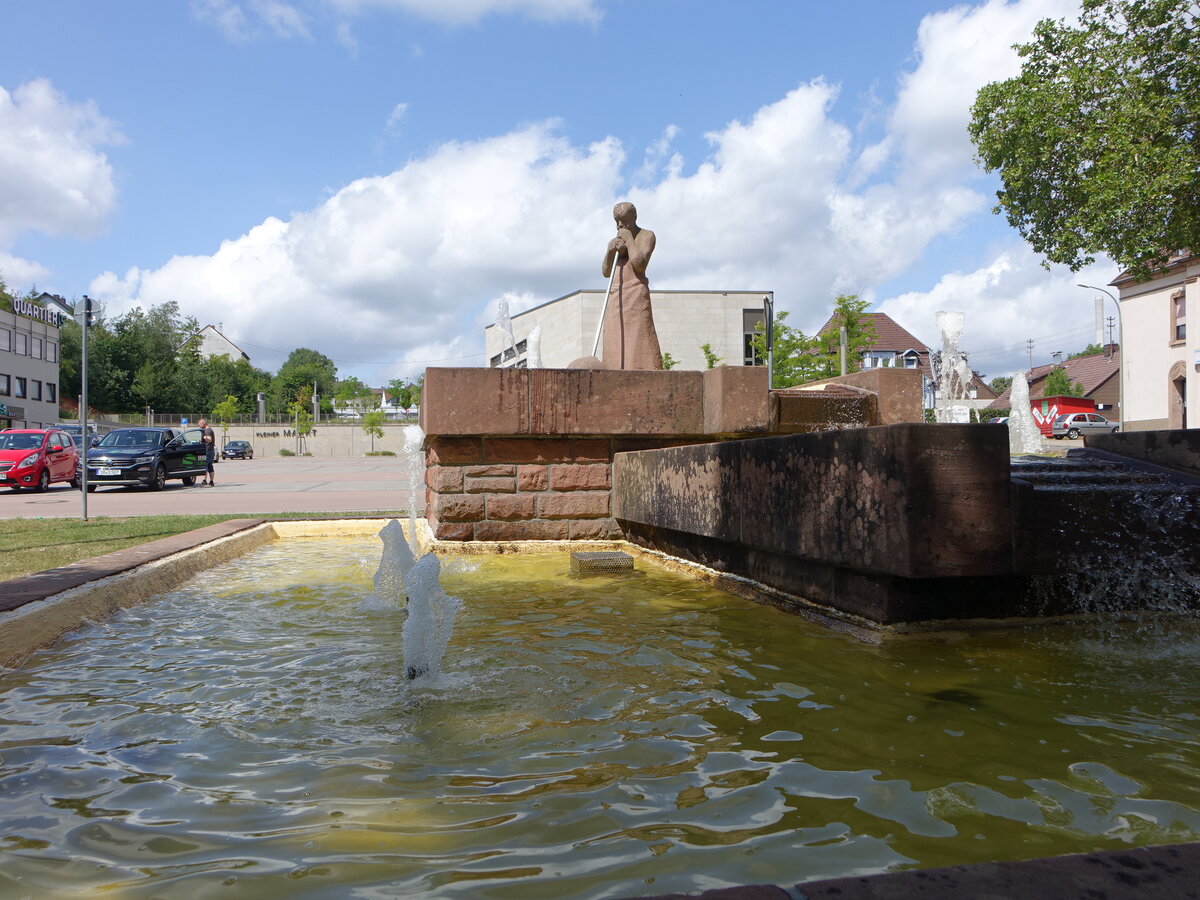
299 484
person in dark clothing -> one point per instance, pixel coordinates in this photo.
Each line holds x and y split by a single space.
209 439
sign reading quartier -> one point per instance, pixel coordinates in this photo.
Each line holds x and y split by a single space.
33 311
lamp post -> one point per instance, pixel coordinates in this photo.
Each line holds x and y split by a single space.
1121 364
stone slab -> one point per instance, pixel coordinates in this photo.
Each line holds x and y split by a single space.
1178 450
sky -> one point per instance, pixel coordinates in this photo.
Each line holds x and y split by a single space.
368 178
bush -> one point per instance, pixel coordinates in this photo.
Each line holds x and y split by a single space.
380 453
286 452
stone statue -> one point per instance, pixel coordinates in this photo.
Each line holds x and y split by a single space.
630 341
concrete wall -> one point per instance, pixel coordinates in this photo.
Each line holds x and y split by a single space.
326 440
684 321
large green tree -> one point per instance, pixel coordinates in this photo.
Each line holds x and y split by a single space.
1097 141
849 312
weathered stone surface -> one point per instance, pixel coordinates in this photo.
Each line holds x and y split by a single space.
493 470
899 392
908 500
445 479
522 531
453 531
528 450
605 529
736 400
457 507
532 478
1176 450
453 451
591 450
804 411
500 485
475 401
576 505
590 401
580 478
510 507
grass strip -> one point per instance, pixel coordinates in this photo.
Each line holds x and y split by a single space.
35 545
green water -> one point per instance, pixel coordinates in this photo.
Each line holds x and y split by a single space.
252 734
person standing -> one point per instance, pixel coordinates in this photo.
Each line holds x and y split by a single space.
209 439
630 341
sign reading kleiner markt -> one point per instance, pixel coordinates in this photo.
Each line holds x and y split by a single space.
33 311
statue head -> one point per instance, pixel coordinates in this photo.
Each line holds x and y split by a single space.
625 213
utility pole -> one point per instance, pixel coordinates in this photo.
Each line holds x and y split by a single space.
1121 361
84 324
1029 349
1112 323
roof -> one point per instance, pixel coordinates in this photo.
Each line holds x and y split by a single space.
1092 372
889 336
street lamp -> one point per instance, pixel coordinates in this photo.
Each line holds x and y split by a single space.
1121 364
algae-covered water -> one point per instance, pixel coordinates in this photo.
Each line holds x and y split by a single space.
252 734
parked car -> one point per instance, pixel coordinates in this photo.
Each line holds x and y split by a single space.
147 457
36 458
1072 425
238 450
75 430
1003 420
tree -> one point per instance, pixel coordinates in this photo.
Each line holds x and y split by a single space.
793 359
1096 141
710 357
303 368
1000 383
353 394
225 412
372 424
1089 350
1059 384
851 313
404 394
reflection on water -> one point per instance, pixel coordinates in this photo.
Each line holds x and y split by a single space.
253 734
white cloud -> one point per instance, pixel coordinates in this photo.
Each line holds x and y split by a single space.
1007 302
244 20
396 269
53 178
20 273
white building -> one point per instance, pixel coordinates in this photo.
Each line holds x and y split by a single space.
213 343
684 321
1160 357
29 349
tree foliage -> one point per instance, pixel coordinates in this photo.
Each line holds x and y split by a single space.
851 313
1097 141
372 424
793 361
1059 384
1089 350
711 360
1000 383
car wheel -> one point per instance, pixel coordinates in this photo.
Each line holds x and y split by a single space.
249 456
43 481
91 488
74 482
159 481
15 487
1115 430
1073 433
189 480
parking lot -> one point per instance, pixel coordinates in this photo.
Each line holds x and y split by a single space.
278 485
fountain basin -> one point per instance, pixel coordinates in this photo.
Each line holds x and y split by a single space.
611 736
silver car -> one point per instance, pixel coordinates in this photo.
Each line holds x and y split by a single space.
1073 425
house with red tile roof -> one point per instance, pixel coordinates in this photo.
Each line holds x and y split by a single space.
1097 374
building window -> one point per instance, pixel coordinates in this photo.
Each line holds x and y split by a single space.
52 351
35 348
18 387
1179 317
753 321
35 392
51 392
22 344
5 339
5 385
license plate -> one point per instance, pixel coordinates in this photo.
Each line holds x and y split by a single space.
108 471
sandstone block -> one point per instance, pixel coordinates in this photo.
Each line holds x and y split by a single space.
595 530
576 505
528 450
532 478
454 531
579 478
477 471
511 507
445 479
498 485
522 531
458 507
454 451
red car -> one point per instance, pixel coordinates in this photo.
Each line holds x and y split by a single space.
37 457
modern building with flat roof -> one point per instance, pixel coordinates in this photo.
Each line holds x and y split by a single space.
29 350
684 320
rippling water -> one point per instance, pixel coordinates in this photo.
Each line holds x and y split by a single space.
252 734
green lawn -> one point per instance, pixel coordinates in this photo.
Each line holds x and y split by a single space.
35 545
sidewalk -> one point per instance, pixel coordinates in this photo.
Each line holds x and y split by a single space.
244 487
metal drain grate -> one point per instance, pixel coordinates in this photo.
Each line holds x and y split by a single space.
601 563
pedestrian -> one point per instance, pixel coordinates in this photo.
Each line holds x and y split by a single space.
209 439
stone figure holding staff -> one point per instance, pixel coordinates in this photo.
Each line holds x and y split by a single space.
629 338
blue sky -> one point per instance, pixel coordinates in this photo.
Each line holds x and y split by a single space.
369 177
